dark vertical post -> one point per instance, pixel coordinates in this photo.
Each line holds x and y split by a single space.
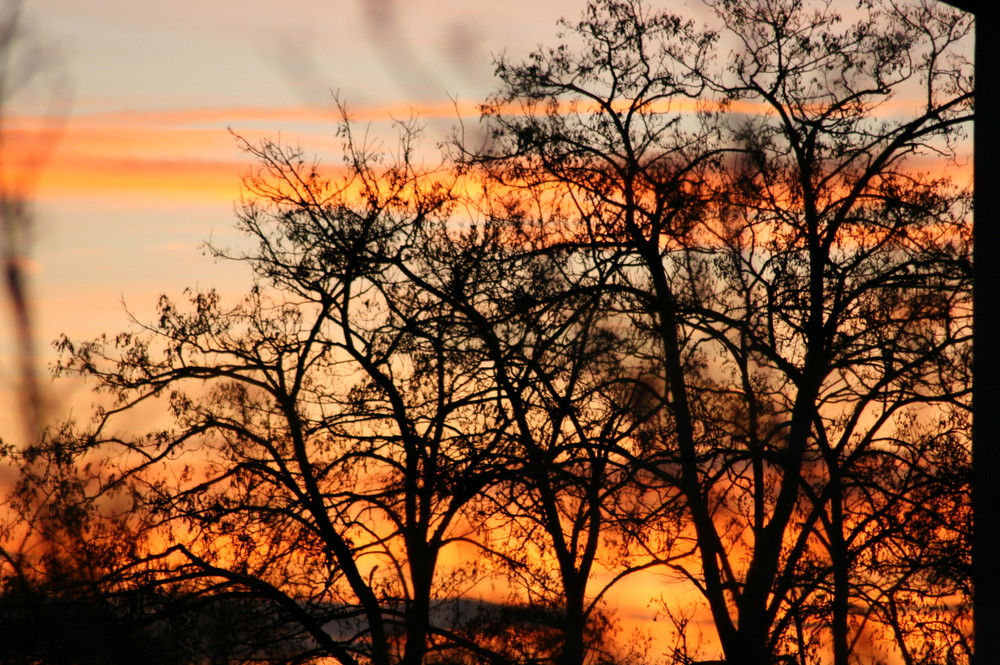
986 359
986 347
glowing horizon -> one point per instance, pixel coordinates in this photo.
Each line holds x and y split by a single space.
127 187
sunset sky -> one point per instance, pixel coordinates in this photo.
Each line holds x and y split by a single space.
122 143
122 140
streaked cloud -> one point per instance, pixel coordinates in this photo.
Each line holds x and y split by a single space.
190 154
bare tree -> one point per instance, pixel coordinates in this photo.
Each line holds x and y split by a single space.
708 317
330 433
803 285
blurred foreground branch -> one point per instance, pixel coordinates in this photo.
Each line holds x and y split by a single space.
23 62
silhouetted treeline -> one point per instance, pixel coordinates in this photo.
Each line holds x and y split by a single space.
692 301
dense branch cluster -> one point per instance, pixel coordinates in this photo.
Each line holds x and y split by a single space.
697 308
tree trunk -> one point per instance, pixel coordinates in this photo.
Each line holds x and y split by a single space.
840 561
418 614
575 626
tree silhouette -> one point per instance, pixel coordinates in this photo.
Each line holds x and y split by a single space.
336 432
805 289
698 314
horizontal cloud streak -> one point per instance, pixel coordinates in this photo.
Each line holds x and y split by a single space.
230 116
189 154
186 154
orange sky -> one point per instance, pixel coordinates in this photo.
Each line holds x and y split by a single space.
138 162
138 166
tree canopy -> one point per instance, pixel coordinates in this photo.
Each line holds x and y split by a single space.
696 307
